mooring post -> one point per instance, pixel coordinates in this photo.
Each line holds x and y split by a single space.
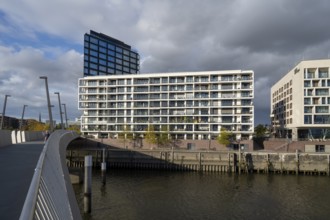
328 165
88 184
297 161
200 161
103 168
239 160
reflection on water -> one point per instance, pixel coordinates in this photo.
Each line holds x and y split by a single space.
189 195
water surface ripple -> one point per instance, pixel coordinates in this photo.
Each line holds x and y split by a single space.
131 194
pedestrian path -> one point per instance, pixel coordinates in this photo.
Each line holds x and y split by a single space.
17 164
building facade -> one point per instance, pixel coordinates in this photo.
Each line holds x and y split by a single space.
104 55
190 105
300 102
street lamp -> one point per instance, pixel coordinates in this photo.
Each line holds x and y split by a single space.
59 104
66 117
4 111
20 126
49 105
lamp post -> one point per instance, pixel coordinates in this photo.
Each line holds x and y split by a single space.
21 124
4 111
59 104
49 105
66 117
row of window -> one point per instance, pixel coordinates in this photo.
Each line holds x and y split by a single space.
164 104
312 73
316 83
100 45
163 80
317 119
317 101
316 109
316 92
107 61
111 71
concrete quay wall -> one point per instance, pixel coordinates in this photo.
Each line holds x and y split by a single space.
286 163
208 161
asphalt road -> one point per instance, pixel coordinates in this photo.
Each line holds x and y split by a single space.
17 164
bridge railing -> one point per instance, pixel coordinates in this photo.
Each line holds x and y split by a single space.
51 195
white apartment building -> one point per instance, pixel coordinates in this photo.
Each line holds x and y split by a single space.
192 105
300 102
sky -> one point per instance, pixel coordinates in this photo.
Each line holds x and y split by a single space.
45 38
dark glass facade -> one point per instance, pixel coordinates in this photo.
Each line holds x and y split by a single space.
104 55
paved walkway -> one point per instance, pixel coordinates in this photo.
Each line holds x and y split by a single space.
17 164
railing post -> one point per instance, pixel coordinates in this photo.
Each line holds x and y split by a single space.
88 184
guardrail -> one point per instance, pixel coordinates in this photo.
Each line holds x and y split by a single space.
51 195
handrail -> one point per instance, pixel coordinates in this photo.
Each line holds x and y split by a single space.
51 195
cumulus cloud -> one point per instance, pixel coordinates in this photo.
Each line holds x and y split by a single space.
269 37
19 77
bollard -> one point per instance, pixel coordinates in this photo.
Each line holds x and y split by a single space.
88 184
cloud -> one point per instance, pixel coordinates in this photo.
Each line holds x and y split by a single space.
19 77
269 37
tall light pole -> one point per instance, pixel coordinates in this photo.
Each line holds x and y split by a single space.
49 105
66 117
60 107
20 126
4 111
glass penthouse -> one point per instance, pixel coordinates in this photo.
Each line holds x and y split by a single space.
192 105
104 55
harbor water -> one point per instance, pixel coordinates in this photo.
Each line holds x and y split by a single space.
141 194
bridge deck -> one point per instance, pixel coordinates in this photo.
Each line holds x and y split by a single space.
17 164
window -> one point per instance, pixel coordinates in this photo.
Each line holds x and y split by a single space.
103 50
322 92
308 119
94 66
319 148
111 47
322 109
94 40
119 50
119 55
93 59
308 109
126 52
94 47
323 73
321 119
307 84
307 101
94 53
118 61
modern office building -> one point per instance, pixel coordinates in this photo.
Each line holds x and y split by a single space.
190 105
300 102
104 55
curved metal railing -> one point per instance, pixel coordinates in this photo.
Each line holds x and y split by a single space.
51 195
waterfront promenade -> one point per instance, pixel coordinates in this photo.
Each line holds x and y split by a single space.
17 164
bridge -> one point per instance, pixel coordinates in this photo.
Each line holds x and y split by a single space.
35 182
